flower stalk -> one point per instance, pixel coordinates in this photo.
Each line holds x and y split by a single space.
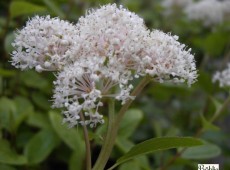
113 126
221 109
109 140
87 145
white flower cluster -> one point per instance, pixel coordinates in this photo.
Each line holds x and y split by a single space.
226 8
171 5
169 60
223 77
107 49
76 90
43 43
210 12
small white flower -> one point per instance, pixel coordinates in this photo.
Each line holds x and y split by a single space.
223 77
210 12
43 43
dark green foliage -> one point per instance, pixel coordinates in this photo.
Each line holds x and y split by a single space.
33 137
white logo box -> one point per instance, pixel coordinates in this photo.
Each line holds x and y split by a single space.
208 166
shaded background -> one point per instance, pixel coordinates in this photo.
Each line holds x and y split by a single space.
33 138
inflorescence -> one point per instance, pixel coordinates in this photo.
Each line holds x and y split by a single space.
99 57
223 77
209 12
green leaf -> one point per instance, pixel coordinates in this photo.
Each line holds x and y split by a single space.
6 167
217 104
208 125
157 128
76 161
34 80
124 144
172 131
40 146
140 163
164 91
70 136
7 110
205 151
41 101
8 156
130 122
213 44
7 73
18 8
8 41
23 136
13 112
39 120
133 5
52 5
158 144
132 165
24 108
205 82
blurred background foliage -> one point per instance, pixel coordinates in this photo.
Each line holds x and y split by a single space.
32 136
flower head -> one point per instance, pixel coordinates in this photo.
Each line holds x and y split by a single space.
81 86
99 57
112 49
43 44
223 77
168 60
112 32
210 12
107 51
